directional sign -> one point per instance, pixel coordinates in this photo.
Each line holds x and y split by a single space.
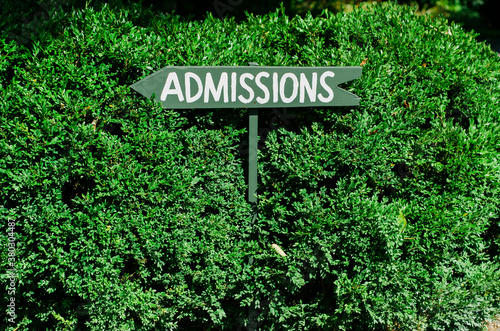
249 87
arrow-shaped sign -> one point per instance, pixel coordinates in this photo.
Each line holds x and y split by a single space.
249 87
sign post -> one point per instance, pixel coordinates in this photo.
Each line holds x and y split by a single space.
249 87
253 140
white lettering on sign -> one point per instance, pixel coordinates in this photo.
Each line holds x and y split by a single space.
210 87
246 87
311 90
326 87
295 87
233 87
275 90
187 83
284 89
263 87
172 79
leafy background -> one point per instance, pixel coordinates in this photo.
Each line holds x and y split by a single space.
129 216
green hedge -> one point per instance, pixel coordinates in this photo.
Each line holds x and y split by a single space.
131 217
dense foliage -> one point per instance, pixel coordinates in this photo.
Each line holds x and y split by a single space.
132 217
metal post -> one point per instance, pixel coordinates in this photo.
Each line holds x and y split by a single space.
253 138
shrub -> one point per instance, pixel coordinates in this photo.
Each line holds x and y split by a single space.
129 216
